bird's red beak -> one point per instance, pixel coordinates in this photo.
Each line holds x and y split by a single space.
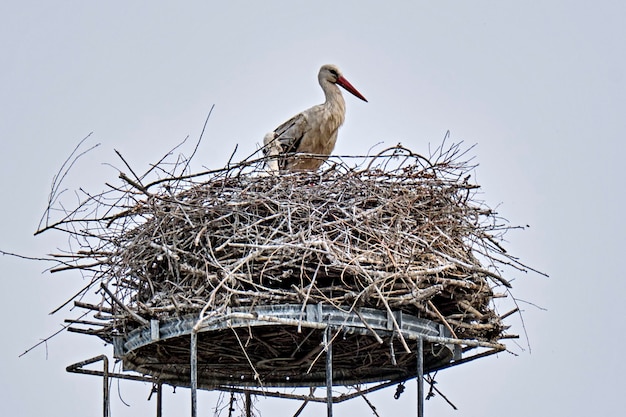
345 84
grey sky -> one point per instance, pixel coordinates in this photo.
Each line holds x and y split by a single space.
540 87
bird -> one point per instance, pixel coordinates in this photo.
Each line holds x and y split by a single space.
313 131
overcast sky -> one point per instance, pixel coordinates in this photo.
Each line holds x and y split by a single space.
539 88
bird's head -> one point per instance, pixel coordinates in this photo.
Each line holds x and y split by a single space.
330 73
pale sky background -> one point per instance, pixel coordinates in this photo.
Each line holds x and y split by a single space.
539 86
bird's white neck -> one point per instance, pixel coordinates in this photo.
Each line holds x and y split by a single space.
334 98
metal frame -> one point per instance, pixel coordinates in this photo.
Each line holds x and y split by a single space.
77 368
326 318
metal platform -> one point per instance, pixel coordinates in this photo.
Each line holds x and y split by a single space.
280 346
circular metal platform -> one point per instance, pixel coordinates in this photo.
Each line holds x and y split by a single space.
284 345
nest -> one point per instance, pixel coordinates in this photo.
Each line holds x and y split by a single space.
395 232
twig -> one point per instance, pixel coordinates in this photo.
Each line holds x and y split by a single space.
257 376
134 315
442 318
370 405
195 149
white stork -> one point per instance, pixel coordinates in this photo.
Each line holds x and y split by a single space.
314 131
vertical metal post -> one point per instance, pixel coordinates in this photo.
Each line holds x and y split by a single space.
420 377
194 374
248 404
159 399
106 407
329 371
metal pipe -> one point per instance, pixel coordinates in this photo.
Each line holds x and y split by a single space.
329 371
106 407
420 377
248 404
159 399
77 368
194 374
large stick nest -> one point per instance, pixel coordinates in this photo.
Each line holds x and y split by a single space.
395 232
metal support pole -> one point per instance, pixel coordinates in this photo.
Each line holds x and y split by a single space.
78 368
106 407
159 399
329 371
420 377
194 374
248 404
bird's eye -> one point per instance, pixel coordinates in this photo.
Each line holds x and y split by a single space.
334 72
